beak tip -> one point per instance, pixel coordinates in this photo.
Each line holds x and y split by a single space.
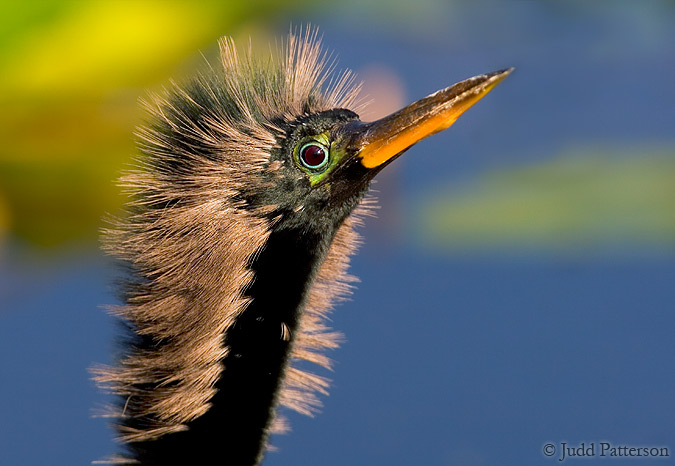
498 76
505 71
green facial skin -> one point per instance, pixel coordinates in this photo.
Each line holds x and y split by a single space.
319 173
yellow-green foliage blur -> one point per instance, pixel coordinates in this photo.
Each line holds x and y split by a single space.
71 74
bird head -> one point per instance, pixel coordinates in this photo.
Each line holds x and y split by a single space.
324 161
269 137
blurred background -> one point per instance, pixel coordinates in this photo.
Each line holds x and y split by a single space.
517 287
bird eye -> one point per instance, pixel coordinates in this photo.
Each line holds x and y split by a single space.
313 155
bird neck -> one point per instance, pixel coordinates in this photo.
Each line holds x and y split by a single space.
236 427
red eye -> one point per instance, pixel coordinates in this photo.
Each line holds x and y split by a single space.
313 155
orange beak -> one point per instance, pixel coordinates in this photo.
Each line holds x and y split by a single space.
384 139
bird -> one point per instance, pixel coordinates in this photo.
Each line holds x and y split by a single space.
236 240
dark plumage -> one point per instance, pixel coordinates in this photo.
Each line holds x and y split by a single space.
238 241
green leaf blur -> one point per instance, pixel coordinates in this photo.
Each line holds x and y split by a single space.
582 200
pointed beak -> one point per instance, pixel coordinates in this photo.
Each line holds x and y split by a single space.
381 141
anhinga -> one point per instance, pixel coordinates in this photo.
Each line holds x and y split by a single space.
238 240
